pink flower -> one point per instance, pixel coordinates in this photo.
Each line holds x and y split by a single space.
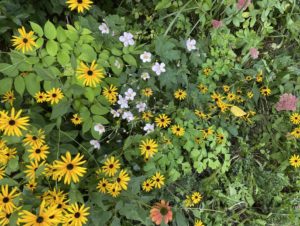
254 53
287 102
216 23
161 211
243 4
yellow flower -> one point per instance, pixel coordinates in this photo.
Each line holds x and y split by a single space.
259 77
177 130
40 97
226 88
147 92
12 125
31 185
2 172
196 197
295 118
201 114
7 199
180 94
32 168
188 202
148 148
4 217
250 94
25 41
220 138
38 152
158 180
296 132
69 168
295 161
9 97
248 78
207 132
111 166
76 120
265 91
32 139
113 190
207 71
148 185
223 106
198 223
230 97
77 215
80 5
91 75
110 93
202 88
54 95
122 180
216 97
162 121
147 115
102 185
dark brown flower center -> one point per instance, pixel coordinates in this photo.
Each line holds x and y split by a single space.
34 138
119 180
90 73
38 151
163 211
111 166
77 215
7 215
104 185
25 40
157 180
59 206
54 95
148 147
12 122
5 200
70 166
39 219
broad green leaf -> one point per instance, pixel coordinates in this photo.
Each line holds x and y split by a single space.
50 30
32 84
130 60
63 57
60 109
19 84
6 85
37 28
52 47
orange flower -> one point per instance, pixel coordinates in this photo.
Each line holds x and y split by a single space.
161 211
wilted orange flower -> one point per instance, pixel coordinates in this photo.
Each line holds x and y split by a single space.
161 211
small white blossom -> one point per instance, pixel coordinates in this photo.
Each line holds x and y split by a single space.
104 28
123 102
127 39
146 57
130 94
149 128
190 44
128 116
99 128
115 113
117 64
145 75
158 68
141 107
95 143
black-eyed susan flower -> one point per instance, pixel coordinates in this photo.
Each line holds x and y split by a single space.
122 180
8 97
259 77
37 138
188 202
7 198
80 5
265 91
111 166
250 94
158 180
102 185
202 88
198 223
216 97
12 124
207 132
110 93
148 148
42 218
54 95
202 115
32 168
226 88
162 121
207 71
177 130
77 215
69 168
296 132
147 115
295 161
25 41
40 97
4 217
31 185
91 76
148 92
147 185
2 172
113 189
38 152
180 94
248 78
230 97
196 197
295 118
76 120
220 138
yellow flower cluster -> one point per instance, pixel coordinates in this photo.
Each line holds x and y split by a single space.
156 181
193 199
110 93
52 96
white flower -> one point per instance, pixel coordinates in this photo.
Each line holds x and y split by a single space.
128 116
158 68
104 28
123 102
149 128
95 143
115 113
141 107
127 39
190 44
99 128
145 75
130 94
145 57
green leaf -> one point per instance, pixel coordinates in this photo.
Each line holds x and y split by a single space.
88 53
130 60
63 57
8 181
163 4
60 109
37 28
13 164
50 30
99 110
52 47
100 119
9 69
180 219
6 85
19 85
45 74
